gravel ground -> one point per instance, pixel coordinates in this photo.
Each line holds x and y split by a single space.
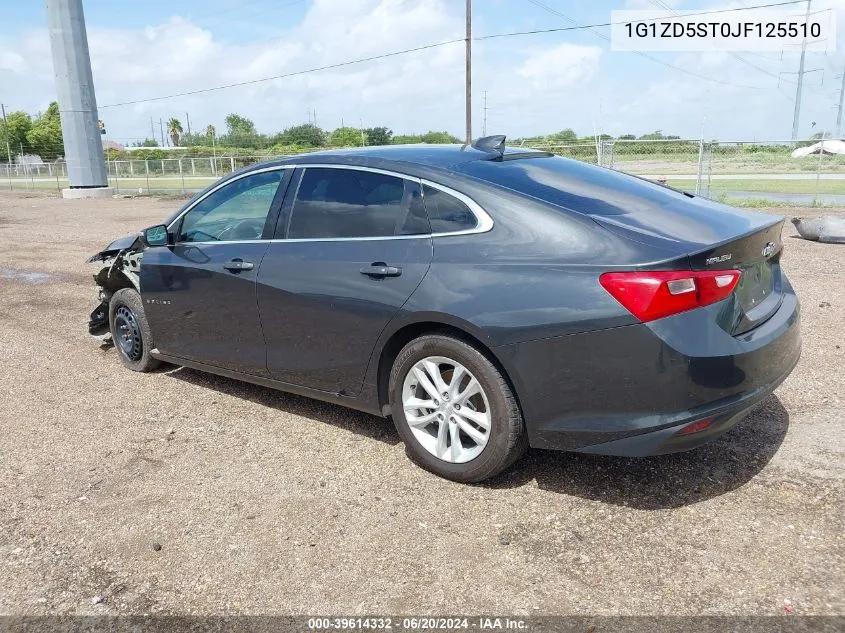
179 492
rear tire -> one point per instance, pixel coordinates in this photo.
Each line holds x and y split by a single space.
130 330
484 432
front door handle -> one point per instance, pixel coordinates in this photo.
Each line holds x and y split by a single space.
379 270
237 265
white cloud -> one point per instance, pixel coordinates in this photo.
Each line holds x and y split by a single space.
531 89
560 66
177 56
11 61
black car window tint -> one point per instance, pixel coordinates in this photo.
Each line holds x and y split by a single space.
236 211
414 221
338 203
446 213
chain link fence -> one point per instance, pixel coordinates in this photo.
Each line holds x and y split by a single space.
752 172
755 172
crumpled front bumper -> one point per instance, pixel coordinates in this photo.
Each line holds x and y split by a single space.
98 323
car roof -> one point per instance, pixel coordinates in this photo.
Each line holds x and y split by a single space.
437 161
421 154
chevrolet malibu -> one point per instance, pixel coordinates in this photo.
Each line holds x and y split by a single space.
487 299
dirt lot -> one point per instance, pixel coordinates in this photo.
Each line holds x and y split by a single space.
263 502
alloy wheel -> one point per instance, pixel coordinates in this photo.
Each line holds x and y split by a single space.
446 409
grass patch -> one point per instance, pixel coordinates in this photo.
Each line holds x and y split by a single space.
768 186
764 203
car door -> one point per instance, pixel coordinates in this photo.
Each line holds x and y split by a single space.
199 292
357 244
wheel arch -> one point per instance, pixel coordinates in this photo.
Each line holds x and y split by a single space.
431 324
112 279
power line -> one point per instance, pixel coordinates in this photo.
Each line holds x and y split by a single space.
286 75
576 27
655 59
586 26
663 5
600 24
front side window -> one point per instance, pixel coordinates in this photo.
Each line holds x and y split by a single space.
347 203
446 213
235 212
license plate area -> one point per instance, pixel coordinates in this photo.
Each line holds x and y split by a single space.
758 294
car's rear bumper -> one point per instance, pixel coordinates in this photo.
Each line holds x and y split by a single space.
671 439
630 390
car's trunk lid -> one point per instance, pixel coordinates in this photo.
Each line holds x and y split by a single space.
681 230
758 294
712 236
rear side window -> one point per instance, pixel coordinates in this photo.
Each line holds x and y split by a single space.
574 185
346 203
446 213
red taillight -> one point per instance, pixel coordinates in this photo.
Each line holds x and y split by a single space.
650 295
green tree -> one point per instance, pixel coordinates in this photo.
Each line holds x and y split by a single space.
174 130
236 125
378 135
564 136
406 139
439 137
628 137
307 135
147 142
657 135
345 137
19 124
241 132
45 134
210 132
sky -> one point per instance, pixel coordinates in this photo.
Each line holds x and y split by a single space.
535 84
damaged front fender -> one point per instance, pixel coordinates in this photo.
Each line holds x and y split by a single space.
120 268
127 242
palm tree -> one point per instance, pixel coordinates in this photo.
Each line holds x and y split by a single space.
210 131
174 130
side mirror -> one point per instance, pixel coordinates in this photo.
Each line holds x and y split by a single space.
155 236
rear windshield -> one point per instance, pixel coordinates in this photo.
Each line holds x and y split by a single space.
572 184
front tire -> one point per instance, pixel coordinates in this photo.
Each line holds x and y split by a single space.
454 410
130 330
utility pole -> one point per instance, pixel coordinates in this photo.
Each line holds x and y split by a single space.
9 149
468 41
839 112
152 129
800 78
214 152
484 124
161 129
188 123
77 100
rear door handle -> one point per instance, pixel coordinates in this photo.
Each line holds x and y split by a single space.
237 265
380 269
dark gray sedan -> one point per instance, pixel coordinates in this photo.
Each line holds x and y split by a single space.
487 299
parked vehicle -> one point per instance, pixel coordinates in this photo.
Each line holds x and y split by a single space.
485 298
